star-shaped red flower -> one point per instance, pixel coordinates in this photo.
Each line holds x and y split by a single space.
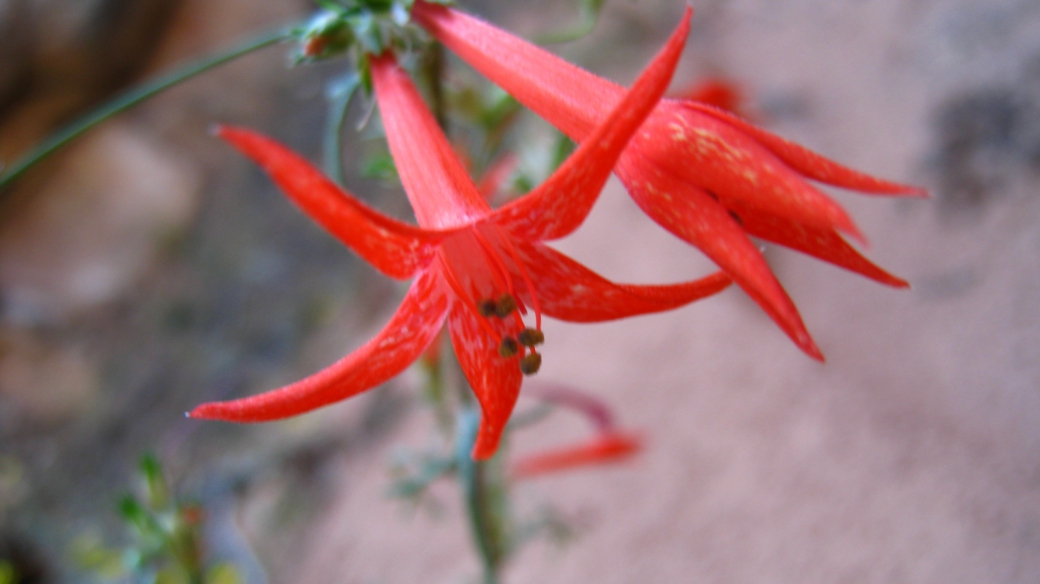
474 267
705 175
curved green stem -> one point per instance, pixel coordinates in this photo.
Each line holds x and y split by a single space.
339 99
590 10
477 488
136 96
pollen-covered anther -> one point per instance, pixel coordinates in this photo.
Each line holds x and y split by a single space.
530 364
487 307
530 337
508 347
505 305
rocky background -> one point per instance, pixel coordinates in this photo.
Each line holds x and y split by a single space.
149 268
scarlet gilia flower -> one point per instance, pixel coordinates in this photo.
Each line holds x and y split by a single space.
703 174
478 269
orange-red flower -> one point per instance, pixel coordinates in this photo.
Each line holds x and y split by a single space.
707 176
476 268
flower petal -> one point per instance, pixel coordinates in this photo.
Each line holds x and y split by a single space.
495 380
568 96
394 248
826 245
560 204
809 163
723 160
602 449
571 292
716 92
400 343
693 216
439 188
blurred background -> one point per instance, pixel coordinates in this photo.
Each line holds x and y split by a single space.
149 268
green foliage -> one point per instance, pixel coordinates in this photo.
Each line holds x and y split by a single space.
357 27
166 546
7 573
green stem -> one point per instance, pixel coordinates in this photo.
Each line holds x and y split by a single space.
339 100
134 97
433 68
478 486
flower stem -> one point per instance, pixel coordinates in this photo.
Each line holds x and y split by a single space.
433 69
339 96
482 488
135 96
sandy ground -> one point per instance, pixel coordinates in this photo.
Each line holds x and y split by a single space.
910 456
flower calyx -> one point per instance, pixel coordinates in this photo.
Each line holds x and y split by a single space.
361 27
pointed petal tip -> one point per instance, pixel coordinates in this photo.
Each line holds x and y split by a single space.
206 411
813 351
806 343
852 230
891 280
901 190
484 449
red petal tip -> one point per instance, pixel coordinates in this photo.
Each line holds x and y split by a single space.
483 451
206 411
853 231
806 344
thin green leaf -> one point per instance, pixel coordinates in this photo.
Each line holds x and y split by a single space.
135 96
589 13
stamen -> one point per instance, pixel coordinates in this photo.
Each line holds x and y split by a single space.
500 272
530 337
505 305
457 288
523 273
487 307
508 347
530 364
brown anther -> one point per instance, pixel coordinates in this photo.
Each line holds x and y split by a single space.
505 305
487 307
530 337
508 347
530 364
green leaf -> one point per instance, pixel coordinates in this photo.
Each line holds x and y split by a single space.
135 513
157 491
133 97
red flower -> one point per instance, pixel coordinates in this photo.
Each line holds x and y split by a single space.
474 267
707 176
